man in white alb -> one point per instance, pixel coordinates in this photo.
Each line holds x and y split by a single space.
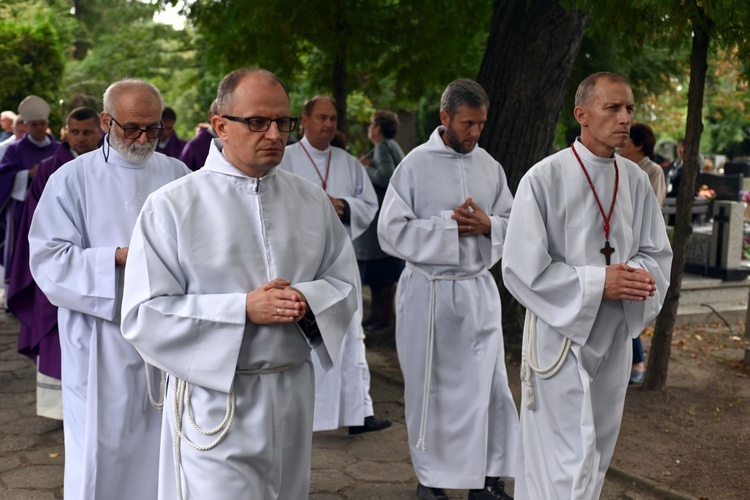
590 261
78 244
445 213
342 397
235 273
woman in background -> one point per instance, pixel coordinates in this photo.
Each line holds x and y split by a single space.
379 270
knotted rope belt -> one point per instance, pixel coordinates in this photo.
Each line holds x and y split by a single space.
181 403
421 444
530 361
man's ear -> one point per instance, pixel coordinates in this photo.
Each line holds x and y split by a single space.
445 118
219 125
106 121
580 115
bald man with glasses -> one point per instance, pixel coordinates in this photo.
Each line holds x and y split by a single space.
236 272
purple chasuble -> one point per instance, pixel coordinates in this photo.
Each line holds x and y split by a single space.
21 155
173 147
195 152
39 337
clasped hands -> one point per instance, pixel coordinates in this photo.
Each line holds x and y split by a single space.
471 219
338 205
623 282
275 302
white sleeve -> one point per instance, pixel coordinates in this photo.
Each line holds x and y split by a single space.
70 275
403 235
565 297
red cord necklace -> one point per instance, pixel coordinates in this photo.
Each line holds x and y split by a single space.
323 180
607 250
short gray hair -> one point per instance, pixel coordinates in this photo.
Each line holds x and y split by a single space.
463 92
585 92
127 84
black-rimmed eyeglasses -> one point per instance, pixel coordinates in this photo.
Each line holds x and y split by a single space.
133 133
262 124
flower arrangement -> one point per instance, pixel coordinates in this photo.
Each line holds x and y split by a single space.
705 192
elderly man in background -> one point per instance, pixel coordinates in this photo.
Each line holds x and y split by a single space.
78 244
19 130
7 118
343 395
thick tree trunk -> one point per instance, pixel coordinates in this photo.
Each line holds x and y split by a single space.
525 70
658 359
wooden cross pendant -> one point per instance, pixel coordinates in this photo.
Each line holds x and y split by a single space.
607 251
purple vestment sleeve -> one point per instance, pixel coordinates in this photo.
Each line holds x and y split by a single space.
195 152
173 148
39 337
21 155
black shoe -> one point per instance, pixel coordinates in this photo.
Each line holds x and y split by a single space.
376 326
427 493
370 321
494 489
372 424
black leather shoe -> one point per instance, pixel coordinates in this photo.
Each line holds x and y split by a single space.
427 493
372 424
494 489
376 326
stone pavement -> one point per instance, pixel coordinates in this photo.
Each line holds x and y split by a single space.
365 467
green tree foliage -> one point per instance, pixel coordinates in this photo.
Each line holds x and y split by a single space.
31 62
393 50
117 39
723 23
648 66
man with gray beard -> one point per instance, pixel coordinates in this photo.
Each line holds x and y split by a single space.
78 249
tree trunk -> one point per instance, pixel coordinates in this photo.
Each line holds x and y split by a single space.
658 358
530 53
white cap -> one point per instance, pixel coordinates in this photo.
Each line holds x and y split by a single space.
33 108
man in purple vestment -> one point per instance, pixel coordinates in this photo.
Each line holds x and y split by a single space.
169 143
195 152
18 166
39 338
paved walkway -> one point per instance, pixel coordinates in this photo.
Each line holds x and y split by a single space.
365 467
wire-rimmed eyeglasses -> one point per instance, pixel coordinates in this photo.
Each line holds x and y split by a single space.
262 124
133 133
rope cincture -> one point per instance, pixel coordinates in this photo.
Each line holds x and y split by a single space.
421 442
158 405
530 361
181 404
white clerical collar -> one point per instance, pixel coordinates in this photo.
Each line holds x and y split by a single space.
218 162
589 157
312 149
438 145
41 144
